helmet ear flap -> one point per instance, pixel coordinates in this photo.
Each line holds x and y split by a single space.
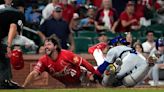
16 59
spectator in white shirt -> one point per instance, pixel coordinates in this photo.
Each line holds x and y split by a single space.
149 44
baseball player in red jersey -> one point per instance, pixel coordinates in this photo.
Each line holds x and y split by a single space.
61 64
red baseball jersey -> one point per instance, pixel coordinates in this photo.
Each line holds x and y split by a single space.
124 16
66 68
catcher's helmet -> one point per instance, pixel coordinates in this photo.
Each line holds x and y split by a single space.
118 39
16 59
159 42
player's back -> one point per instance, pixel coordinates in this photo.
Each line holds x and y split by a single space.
116 51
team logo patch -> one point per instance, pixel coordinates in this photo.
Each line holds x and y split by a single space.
75 59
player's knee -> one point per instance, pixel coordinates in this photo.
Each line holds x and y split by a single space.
129 81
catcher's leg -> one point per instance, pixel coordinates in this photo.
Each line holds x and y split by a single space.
136 76
110 73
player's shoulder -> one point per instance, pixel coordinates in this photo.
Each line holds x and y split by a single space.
43 58
66 52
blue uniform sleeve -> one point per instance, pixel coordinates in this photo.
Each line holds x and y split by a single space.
102 67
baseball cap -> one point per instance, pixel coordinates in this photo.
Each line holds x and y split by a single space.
102 33
58 8
130 3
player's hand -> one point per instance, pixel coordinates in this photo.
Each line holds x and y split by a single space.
95 78
91 78
133 20
151 60
8 52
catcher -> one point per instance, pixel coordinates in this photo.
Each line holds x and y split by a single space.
121 66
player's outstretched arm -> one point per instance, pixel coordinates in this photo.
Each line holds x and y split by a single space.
30 78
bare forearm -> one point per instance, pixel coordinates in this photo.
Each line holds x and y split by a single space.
12 33
41 35
126 23
30 78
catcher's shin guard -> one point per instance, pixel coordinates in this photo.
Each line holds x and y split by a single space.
109 75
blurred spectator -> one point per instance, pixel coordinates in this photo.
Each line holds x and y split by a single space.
48 10
119 5
158 55
68 11
26 45
81 10
97 3
74 24
128 20
141 14
149 44
74 4
81 2
105 17
139 9
58 26
151 4
138 47
102 37
41 50
8 3
160 18
33 16
88 22
129 39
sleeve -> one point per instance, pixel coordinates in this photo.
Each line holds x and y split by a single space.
47 11
111 55
68 29
89 67
43 27
108 60
123 17
19 21
98 15
82 22
157 6
40 66
161 60
73 58
77 60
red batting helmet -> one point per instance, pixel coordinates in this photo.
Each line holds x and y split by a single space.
16 59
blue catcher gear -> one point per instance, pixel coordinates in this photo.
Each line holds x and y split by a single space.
118 39
159 42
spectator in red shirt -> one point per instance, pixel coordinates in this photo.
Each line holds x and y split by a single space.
105 17
61 64
97 3
139 9
151 3
128 19
68 10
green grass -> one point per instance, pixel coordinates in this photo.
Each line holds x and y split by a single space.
90 90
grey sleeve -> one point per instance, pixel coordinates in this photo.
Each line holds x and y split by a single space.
161 60
111 55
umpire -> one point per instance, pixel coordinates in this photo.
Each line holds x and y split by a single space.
10 23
